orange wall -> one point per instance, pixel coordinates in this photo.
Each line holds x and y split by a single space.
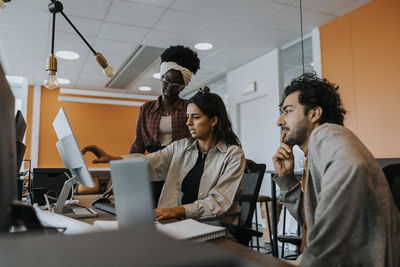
360 52
110 127
28 134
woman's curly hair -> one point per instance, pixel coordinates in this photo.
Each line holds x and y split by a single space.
183 56
318 92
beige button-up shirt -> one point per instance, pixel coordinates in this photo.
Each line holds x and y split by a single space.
220 183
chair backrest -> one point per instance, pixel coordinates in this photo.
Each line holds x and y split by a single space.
251 183
392 173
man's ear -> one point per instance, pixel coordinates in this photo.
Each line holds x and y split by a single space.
316 114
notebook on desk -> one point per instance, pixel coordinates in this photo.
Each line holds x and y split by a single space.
191 230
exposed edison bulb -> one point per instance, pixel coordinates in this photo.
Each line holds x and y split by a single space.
108 71
51 82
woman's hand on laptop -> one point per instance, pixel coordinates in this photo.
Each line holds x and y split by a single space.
168 213
102 156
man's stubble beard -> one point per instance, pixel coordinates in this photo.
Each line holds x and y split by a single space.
299 133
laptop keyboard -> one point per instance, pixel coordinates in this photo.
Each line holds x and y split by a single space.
107 207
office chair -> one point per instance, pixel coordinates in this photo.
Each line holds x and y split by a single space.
292 239
156 187
392 173
251 183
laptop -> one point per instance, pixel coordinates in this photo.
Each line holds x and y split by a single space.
132 192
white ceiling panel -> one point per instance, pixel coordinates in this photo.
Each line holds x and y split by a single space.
71 42
165 39
113 47
120 32
222 62
24 49
224 30
159 3
32 5
263 36
115 61
23 35
87 27
354 5
324 6
180 22
72 65
93 9
239 30
134 13
252 11
207 8
289 19
26 18
287 2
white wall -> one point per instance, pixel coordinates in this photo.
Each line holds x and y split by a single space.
257 111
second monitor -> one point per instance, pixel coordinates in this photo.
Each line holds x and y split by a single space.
72 158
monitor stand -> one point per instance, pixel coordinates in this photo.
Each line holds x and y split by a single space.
79 212
67 187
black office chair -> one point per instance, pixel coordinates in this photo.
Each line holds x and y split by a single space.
392 173
251 183
291 239
156 187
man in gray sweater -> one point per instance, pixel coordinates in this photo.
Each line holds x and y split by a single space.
343 200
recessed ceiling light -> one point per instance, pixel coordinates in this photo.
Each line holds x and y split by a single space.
63 81
157 75
69 55
145 88
203 46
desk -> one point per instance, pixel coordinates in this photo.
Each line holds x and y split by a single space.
274 218
224 243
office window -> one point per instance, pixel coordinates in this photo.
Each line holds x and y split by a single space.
19 88
291 62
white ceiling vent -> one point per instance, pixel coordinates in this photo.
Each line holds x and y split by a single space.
141 59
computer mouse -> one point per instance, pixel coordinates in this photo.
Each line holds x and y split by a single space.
101 200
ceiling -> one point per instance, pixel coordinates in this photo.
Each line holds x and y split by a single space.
239 30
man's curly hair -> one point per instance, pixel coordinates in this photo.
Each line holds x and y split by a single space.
318 92
183 56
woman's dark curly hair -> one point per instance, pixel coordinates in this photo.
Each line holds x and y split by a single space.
318 92
212 105
183 56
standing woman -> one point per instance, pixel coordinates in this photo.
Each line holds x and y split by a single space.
202 173
163 120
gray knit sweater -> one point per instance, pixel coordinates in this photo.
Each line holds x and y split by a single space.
350 214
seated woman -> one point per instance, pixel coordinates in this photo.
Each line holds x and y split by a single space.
203 173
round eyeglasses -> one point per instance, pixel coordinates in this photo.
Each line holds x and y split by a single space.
173 85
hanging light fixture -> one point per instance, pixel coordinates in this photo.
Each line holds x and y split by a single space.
51 67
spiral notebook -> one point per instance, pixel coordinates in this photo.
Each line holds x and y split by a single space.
191 230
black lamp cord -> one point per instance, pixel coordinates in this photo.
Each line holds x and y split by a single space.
76 30
53 33
301 29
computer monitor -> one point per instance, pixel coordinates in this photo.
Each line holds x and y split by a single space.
20 127
8 159
71 156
